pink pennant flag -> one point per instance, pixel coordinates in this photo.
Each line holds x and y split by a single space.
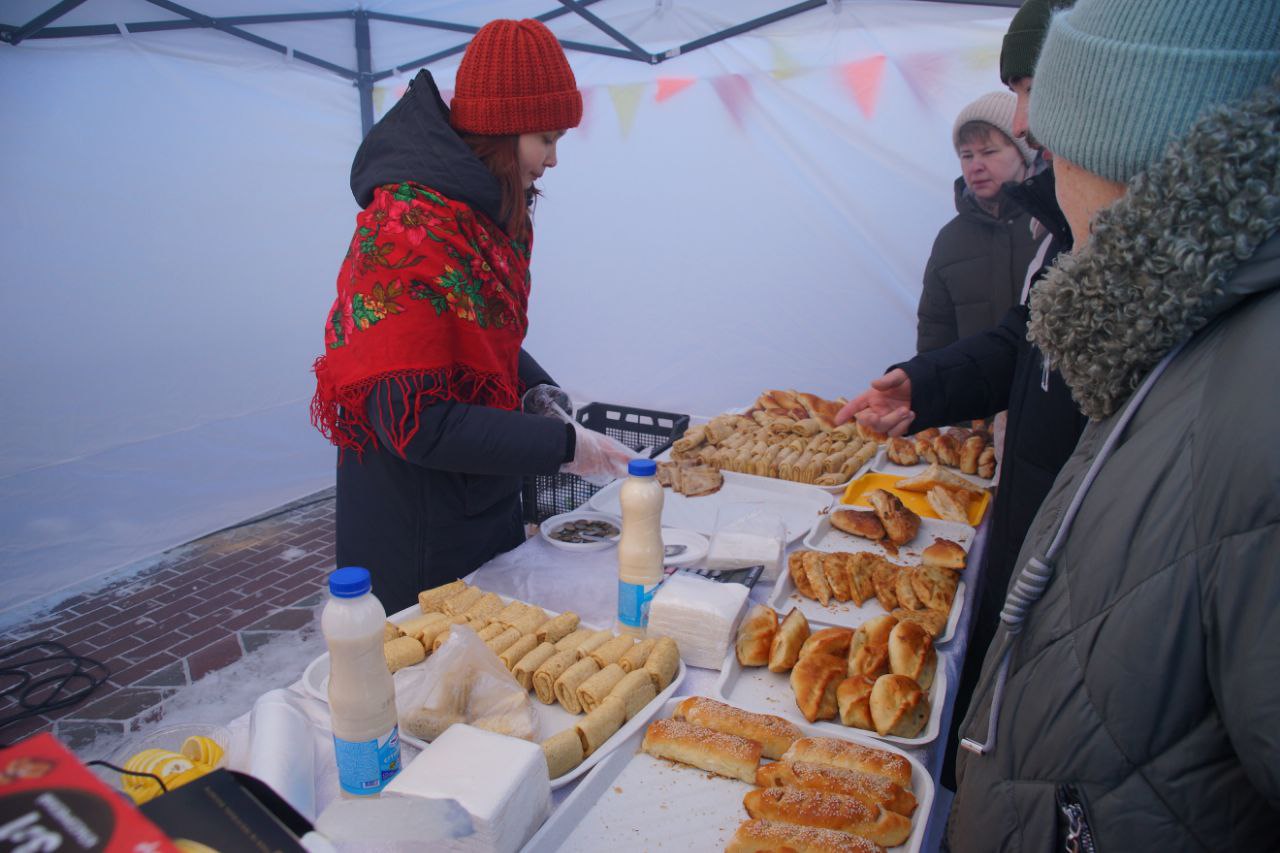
669 87
863 77
735 92
924 74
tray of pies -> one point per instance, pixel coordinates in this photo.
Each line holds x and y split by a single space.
968 452
885 678
708 776
934 492
796 504
591 688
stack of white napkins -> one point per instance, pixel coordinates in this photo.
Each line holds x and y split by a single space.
499 782
700 615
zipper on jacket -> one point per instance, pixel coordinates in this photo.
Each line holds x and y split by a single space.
1074 828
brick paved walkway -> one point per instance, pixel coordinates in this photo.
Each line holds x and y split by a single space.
202 607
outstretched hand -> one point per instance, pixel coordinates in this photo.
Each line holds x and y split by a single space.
598 459
884 407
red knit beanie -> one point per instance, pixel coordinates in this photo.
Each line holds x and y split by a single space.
514 78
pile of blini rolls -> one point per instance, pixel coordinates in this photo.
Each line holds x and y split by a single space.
820 794
607 677
876 677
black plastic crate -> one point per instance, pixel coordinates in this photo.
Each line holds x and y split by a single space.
546 495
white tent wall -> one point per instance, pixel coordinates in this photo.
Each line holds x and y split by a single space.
177 207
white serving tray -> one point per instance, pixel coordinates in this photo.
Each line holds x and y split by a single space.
798 505
550 719
755 688
635 802
880 463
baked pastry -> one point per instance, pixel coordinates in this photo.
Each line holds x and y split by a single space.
612 650
898 706
402 652
634 657
600 723
821 810
900 523
907 597
830 641
944 554
869 647
858 523
902 451
566 686
987 463
933 621
795 568
860 566
851 756
935 588
814 680
515 652
548 630
525 667
635 690
774 734
663 663
812 563
698 481
853 699
924 448
755 636
871 789
790 636
593 691
432 600
950 505
885 577
970 452
563 752
766 836
716 752
911 653
837 577
936 475
390 632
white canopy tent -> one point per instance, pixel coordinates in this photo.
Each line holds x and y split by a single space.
753 214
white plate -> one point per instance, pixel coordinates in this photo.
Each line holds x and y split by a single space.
555 521
550 719
796 504
880 463
635 802
696 546
755 688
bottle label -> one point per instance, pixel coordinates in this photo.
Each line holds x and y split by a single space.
366 766
633 603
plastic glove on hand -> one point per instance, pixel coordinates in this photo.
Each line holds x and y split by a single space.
598 458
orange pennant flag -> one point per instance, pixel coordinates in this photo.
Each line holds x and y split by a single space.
671 86
863 78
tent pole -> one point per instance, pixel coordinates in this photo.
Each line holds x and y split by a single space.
39 22
364 71
636 51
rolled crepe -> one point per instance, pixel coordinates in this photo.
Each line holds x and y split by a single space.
611 651
530 620
572 641
592 691
454 605
390 632
441 637
590 644
634 657
663 662
635 690
415 625
432 631
544 677
510 613
503 641
402 652
432 600
566 686
527 665
563 752
484 607
488 632
601 724
554 630
513 653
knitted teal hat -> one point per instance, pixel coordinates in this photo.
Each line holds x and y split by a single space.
1117 80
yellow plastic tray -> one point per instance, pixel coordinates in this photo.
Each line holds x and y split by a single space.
855 494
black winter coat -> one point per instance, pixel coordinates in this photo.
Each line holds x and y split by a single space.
975 272
976 378
453 500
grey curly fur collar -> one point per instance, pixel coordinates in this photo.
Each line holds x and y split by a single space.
1158 266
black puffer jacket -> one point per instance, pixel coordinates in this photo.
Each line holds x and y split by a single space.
975 271
453 500
975 378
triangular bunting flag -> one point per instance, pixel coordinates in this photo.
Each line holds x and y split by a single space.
669 87
379 98
735 92
924 74
626 100
784 65
985 58
863 77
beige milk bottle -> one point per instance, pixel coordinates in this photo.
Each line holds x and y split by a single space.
640 550
362 696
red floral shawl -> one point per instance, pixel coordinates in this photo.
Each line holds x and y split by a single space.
431 295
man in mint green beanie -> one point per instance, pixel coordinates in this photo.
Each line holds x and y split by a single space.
1130 699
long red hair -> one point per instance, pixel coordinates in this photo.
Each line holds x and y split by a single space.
501 154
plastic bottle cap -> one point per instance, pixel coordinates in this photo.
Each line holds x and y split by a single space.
642 467
350 582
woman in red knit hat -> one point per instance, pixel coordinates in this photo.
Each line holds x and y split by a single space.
423 371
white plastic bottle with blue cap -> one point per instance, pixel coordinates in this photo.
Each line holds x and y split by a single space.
640 549
362 696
